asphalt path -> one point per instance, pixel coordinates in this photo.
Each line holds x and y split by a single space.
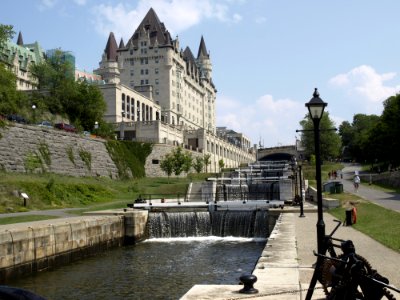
61 213
388 200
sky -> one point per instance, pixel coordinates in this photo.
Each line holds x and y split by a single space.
267 55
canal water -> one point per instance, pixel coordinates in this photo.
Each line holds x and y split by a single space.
154 269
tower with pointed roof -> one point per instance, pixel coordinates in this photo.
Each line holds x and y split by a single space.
203 59
108 69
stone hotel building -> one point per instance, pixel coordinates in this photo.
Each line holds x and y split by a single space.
157 92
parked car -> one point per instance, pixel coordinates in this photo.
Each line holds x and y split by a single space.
66 127
45 124
16 118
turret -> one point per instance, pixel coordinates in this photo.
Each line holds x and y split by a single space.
204 61
108 69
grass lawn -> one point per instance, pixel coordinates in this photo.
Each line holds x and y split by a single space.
381 224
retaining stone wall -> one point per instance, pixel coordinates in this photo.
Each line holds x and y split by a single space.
157 155
391 179
30 247
19 142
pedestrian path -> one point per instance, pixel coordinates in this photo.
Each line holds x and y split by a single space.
388 200
383 259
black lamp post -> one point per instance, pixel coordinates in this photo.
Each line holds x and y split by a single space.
301 193
316 109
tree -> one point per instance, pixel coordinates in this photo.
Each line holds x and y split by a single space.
9 96
330 143
198 164
85 105
221 164
6 33
167 165
207 161
385 135
355 137
179 160
8 91
187 163
81 102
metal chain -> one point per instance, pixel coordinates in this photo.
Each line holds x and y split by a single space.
273 294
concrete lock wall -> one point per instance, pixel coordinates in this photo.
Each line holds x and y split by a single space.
26 248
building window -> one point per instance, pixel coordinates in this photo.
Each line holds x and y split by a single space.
131 62
123 97
156 80
132 73
155 161
156 70
131 52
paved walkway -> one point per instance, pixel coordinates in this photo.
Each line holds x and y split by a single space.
385 199
383 259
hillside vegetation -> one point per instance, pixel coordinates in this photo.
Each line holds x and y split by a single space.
50 191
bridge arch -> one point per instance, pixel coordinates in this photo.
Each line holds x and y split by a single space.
277 153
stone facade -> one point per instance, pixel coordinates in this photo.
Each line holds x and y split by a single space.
65 151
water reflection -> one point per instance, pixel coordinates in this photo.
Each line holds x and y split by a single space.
155 269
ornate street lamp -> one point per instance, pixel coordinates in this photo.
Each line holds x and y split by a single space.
316 109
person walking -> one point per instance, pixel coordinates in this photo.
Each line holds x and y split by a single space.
356 181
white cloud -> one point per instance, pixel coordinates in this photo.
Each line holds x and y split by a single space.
177 15
366 82
272 121
47 4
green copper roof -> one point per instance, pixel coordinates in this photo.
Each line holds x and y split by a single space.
25 54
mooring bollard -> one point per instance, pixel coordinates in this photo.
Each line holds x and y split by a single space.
248 280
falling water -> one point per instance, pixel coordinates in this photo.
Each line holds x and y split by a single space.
264 191
217 223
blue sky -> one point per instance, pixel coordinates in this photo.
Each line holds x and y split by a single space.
268 55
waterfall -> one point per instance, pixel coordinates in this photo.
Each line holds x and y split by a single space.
230 192
178 224
264 191
218 223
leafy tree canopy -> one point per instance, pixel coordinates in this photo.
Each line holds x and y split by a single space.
330 144
81 102
6 33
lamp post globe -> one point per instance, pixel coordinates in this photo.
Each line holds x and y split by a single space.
316 107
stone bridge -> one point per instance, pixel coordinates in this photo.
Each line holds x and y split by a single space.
278 153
